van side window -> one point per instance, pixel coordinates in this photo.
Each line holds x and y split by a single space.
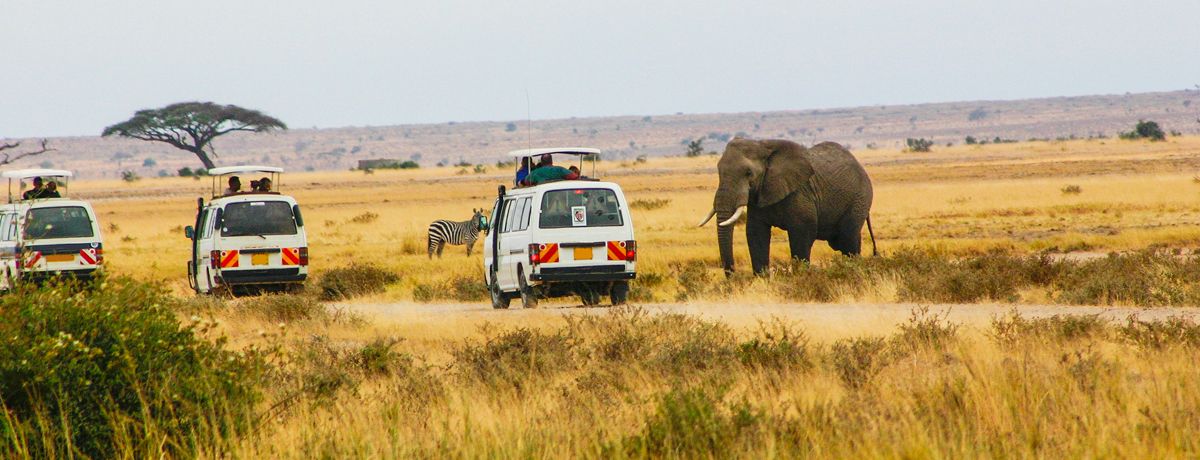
206 224
5 224
525 216
518 214
508 216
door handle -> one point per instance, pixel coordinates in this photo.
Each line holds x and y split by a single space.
516 251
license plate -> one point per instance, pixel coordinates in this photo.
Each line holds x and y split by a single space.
60 258
583 253
260 259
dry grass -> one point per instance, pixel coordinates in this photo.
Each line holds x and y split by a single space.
958 200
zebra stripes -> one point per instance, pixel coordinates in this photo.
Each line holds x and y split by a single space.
443 232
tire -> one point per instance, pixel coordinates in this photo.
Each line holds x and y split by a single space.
528 294
619 294
499 300
589 295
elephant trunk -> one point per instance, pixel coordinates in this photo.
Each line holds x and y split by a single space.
725 241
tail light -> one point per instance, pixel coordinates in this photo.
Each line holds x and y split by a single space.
304 256
99 256
535 254
214 259
631 251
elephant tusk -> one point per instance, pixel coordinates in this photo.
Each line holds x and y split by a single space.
710 216
740 210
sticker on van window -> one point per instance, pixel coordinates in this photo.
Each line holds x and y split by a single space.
579 216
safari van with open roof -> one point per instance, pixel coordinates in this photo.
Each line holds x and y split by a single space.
563 233
43 233
247 239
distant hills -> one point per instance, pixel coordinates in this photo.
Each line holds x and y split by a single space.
627 137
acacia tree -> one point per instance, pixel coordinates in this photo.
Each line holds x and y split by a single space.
9 157
192 126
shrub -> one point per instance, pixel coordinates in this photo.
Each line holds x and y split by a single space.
776 346
695 148
512 357
353 281
1175 331
1147 278
130 176
1145 130
1072 190
365 218
918 145
1013 328
113 373
283 308
462 288
925 331
650 204
857 361
693 424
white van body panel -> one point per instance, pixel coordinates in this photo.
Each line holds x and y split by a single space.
49 237
582 249
245 257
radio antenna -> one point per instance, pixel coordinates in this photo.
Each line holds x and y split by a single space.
528 123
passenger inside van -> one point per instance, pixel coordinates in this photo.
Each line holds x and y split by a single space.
235 186
51 190
522 173
548 172
35 192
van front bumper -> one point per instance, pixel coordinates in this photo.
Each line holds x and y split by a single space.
263 276
600 273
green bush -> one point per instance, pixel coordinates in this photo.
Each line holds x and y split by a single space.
353 281
110 371
1145 130
513 357
693 423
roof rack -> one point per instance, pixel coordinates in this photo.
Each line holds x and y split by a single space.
20 175
218 185
583 153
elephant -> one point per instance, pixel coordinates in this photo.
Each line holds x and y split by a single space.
818 193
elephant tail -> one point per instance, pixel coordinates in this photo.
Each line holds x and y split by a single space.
870 231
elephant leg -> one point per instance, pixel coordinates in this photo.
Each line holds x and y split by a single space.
800 242
849 236
758 238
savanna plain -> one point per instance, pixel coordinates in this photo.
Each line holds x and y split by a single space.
1030 299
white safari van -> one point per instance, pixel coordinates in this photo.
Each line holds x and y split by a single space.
560 236
44 235
247 239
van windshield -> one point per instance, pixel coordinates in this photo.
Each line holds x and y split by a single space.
58 222
258 218
595 207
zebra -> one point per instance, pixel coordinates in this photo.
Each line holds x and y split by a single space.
443 232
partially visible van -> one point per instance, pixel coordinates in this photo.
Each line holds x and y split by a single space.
247 240
47 236
560 238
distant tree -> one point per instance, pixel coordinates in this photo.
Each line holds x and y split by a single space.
1145 130
149 163
129 176
918 145
510 127
9 157
977 114
695 148
192 126
970 140
46 164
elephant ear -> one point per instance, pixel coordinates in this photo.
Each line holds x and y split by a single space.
787 169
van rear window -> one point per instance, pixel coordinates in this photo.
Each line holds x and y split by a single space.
58 222
594 207
258 218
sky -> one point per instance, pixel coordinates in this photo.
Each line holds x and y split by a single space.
72 67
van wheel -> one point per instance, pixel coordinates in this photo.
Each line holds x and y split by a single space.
499 300
619 293
589 295
528 295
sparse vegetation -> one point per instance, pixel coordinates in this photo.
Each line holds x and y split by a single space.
353 281
1145 130
918 145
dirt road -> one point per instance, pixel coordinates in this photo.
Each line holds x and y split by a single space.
821 321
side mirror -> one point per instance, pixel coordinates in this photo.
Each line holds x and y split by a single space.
483 224
219 219
299 217
189 232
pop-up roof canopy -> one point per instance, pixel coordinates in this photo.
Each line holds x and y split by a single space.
562 150
21 175
243 169
581 152
218 185
31 173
